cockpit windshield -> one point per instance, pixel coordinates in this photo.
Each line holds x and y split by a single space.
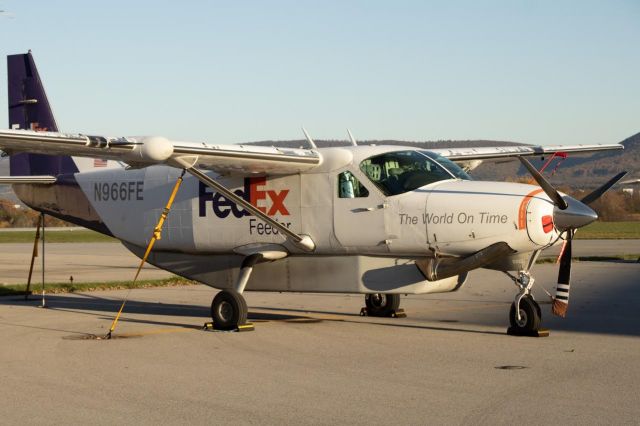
402 171
452 167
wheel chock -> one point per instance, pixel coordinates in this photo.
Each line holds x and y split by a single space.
246 327
543 332
209 326
400 313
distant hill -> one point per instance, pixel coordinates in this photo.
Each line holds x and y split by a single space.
5 190
301 143
577 171
4 166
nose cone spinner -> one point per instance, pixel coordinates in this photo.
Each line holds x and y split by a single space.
576 215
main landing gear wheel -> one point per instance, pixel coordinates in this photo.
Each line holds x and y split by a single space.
530 316
382 305
228 310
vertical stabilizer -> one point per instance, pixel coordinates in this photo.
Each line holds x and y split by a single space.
29 109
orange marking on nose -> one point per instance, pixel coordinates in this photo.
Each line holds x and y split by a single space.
522 211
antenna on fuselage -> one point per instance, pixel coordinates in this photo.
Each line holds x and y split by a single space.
352 139
311 142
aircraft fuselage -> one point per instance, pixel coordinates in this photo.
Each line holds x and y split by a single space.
447 218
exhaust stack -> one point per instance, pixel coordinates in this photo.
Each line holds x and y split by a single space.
439 268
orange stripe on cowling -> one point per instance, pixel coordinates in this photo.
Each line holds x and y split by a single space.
522 211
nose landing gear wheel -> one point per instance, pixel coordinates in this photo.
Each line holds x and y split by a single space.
530 317
228 310
382 305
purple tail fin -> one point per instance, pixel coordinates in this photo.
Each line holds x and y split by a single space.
29 109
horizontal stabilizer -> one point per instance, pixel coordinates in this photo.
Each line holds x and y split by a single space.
10 180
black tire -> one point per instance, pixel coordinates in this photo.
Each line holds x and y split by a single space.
538 309
530 314
228 310
381 305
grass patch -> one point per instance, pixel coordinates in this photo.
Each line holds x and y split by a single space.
71 236
53 288
609 230
615 258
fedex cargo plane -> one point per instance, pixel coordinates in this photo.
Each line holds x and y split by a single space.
374 220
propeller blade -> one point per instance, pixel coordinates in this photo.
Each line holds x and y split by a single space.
564 246
545 185
604 188
561 299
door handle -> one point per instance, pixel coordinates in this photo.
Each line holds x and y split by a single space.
368 209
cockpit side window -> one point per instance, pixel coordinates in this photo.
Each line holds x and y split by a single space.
402 171
350 187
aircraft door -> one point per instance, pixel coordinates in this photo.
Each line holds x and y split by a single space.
358 213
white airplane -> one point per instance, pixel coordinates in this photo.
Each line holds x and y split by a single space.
374 220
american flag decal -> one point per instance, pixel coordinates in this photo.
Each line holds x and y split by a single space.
99 162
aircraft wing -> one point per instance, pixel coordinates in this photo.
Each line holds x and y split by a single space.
147 151
489 153
230 159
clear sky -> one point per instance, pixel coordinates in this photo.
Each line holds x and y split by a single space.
544 72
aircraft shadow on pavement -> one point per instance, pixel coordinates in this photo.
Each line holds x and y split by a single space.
611 309
89 304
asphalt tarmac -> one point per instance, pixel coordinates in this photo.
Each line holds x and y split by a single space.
313 360
85 262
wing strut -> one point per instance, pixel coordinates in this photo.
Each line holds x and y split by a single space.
303 241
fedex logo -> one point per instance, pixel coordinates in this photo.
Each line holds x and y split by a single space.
267 201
